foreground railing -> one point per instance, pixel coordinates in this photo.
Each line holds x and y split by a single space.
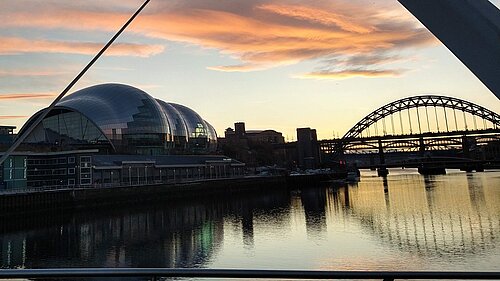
157 273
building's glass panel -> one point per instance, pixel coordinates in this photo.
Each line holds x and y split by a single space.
212 137
175 120
194 123
64 127
202 136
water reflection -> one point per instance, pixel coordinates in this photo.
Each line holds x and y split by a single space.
314 204
184 236
433 217
452 219
174 234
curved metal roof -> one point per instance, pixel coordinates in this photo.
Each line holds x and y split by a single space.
196 126
124 112
119 107
175 120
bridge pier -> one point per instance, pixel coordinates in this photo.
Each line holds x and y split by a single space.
470 167
372 162
466 146
421 146
431 170
467 168
479 167
381 171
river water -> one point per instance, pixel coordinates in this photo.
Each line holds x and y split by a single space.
406 222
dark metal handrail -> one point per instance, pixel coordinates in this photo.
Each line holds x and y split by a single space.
156 273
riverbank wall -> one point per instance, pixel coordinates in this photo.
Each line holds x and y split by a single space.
32 201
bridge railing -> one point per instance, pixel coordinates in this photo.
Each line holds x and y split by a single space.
159 273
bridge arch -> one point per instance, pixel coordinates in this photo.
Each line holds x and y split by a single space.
422 101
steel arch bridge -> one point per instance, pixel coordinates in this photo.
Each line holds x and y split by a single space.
463 138
419 102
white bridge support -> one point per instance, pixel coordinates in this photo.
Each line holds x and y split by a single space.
468 28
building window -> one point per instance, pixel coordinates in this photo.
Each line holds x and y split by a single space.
71 171
71 181
71 160
85 170
85 181
85 159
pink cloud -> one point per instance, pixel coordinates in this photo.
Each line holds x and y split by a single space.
237 68
260 35
24 72
15 96
317 16
13 116
15 45
344 74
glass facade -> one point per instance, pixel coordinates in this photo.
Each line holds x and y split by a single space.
63 127
128 119
13 173
189 130
177 125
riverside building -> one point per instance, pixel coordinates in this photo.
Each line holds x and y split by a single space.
115 134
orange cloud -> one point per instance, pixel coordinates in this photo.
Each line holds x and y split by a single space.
67 18
15 96
237 68
260 36
261 45
317 16
13 116
20 72
15 45
344 74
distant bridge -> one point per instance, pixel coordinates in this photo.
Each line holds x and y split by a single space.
420 124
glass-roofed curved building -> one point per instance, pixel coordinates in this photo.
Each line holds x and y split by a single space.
118 118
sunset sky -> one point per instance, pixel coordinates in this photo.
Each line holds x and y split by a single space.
274 64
